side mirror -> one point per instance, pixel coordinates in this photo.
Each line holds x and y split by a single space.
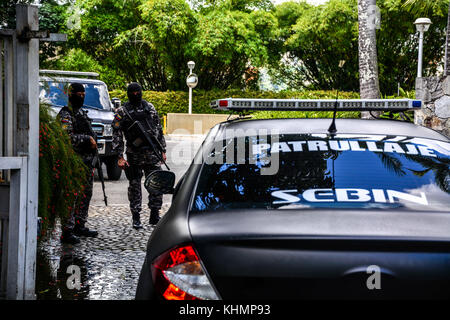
116 103
160 181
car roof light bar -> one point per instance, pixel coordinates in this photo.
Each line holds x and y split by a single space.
69 73
242 104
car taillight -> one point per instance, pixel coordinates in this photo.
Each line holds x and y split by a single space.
178 275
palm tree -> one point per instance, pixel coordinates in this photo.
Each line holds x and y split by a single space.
425 7
368 63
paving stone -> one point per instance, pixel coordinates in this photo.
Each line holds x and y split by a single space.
110 263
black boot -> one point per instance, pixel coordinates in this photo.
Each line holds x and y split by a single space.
68 237
83 231
154 216
137 221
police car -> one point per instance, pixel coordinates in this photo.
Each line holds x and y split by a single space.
53 85
306 208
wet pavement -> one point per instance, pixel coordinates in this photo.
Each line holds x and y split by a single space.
108 265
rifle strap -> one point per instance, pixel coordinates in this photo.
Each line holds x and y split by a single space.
125 109
146 108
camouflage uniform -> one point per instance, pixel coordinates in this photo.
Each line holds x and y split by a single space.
141 160
76 126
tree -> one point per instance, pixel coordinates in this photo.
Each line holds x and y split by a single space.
369 87
228 43
238 5
313 39
427 7
95 27
150 41
8 13
52 17
168 26
397 43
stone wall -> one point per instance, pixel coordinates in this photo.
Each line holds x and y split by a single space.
435 112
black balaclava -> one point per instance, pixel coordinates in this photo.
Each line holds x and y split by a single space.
135 99
75 100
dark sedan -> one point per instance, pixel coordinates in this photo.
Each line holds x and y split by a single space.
282 209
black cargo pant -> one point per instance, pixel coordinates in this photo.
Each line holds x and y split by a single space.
79 214
140 164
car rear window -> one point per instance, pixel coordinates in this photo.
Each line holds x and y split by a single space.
317 171
55 93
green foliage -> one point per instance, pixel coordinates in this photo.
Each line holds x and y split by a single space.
425 8
150 41
397 43
8 12
62 174
78 60
167 28
225 43
327 34
329 114
177 101
317 38
314 40
93 28
52 17
310 114
236 5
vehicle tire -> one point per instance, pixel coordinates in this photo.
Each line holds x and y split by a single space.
112 168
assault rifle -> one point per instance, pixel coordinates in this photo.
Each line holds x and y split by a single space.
138 130
142 137
96 163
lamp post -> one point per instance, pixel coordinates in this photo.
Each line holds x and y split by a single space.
191 82
422 26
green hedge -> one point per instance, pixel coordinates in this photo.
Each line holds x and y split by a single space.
177 101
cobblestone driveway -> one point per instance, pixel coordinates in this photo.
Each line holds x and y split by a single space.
110 263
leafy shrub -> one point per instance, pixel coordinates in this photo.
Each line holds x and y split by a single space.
79 60
177 101
62 173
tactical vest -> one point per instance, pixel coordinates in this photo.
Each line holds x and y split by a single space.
144 116
81 124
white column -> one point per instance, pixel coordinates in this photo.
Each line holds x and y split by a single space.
15 282
27 143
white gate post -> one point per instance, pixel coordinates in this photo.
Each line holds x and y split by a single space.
8 116
26 77
15 282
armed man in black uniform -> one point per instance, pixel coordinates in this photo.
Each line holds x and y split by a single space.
141 157
78 125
